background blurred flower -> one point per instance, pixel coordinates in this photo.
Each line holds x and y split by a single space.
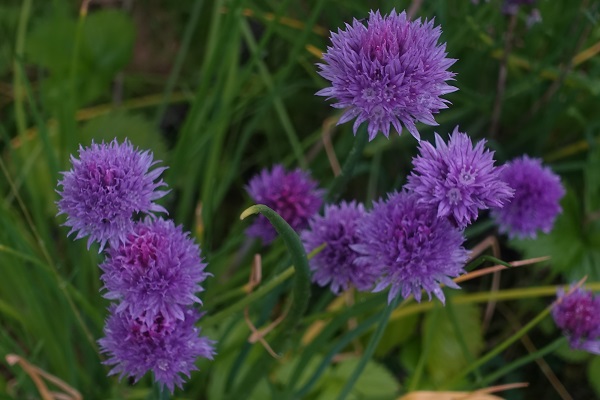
105 188
293 195
391 72
578 315
536 202
156 271
410 248
457 178
167 347
334 265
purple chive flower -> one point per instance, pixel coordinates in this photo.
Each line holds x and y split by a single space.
293 195
390 72
156 271
409 247
334 265
105 188
457 178
537 198
578 315
511 7
167 347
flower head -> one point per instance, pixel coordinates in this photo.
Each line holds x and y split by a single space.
334 265
457 178
537 198
105 188
577 313
409 247
167 347
391 72
293 195
156 271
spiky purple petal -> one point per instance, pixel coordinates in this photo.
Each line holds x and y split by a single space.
391 72
409 247
107 185
334 265
457 178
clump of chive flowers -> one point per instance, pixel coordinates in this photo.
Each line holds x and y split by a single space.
577 314
409 248
536 202
157 270
391 72
106 187
292 194
457 178
334 264
166 346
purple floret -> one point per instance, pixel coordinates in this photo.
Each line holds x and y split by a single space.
293 195
410 248
577 314
167 347
156 271
107 185
536 202
457 178
391 72
334 265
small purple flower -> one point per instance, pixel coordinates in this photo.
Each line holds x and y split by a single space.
167 347
293 195
105 188
334 265
578 315
156 271
511 7
410 248
457 178
391 72
536 202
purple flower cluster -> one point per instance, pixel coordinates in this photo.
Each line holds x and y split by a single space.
577 313
106 187
152 269
335 264
391 72
536 202
409 248
457 178
293 195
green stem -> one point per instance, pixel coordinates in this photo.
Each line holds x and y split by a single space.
524 360
480 260
249 299
340 181
18 73
416 377
366 357
500 348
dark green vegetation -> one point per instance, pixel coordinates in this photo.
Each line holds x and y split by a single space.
218 89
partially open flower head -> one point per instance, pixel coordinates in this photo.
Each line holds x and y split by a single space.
156 271
410 248
457 178
577 313
334 264
536 202
391 72
166 347
293 195
106 187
